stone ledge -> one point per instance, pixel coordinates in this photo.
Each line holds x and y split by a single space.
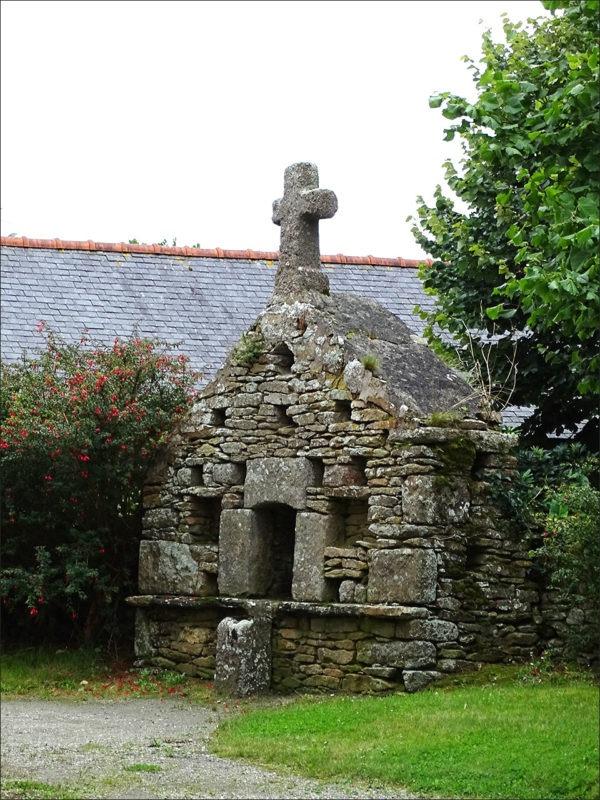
344 492
392 611
203 491
486 440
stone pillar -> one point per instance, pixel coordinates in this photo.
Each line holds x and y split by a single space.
244 554
243 658
314 532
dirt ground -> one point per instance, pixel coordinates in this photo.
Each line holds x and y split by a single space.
138 749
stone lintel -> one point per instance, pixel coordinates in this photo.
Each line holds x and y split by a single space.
391 611
486 441
203 491
278 481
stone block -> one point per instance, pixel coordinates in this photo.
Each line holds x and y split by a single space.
414 680
145 634
435 630
244 554
360 593
435 500
365 683
173 568
408 655
314 532
336 656
243 657
346 591
160 519
279 480
343 475
404 575
228 474
322 682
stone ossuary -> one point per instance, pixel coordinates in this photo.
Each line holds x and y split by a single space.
308 525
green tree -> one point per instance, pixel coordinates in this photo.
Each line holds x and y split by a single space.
522 260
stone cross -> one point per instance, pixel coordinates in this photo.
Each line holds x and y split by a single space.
298 213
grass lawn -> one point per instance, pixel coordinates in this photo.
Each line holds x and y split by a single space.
48 673
502 737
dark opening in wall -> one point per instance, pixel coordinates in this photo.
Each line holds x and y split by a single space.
476 556
319 471
283 419
203 514
196 476
480 463
352 516
344 409
240 468
217 417
359 465
282 357
277 523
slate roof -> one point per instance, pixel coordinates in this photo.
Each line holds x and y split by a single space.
203 303
200 300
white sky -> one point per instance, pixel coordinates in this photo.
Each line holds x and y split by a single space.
176 119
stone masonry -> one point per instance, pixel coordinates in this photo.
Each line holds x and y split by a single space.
322 519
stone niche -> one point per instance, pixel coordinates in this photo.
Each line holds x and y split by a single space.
271 548
322 519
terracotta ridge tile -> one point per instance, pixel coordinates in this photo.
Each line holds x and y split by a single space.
197 252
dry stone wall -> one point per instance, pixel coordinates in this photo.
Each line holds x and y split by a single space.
365 525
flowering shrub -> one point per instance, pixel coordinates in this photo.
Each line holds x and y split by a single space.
78 426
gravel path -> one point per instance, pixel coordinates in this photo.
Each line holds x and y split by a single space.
88 747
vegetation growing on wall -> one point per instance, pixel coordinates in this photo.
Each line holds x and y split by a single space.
555 500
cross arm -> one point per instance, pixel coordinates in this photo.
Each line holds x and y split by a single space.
277 212
318 203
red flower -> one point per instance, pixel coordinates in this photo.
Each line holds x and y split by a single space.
48 478
33 612
83 457
100 382
84 473
73 615
41 600
4 445
102 550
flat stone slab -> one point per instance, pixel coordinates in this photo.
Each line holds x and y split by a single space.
165 567
405 575
279 480
392 611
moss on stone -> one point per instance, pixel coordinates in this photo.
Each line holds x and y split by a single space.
443 419
457 455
